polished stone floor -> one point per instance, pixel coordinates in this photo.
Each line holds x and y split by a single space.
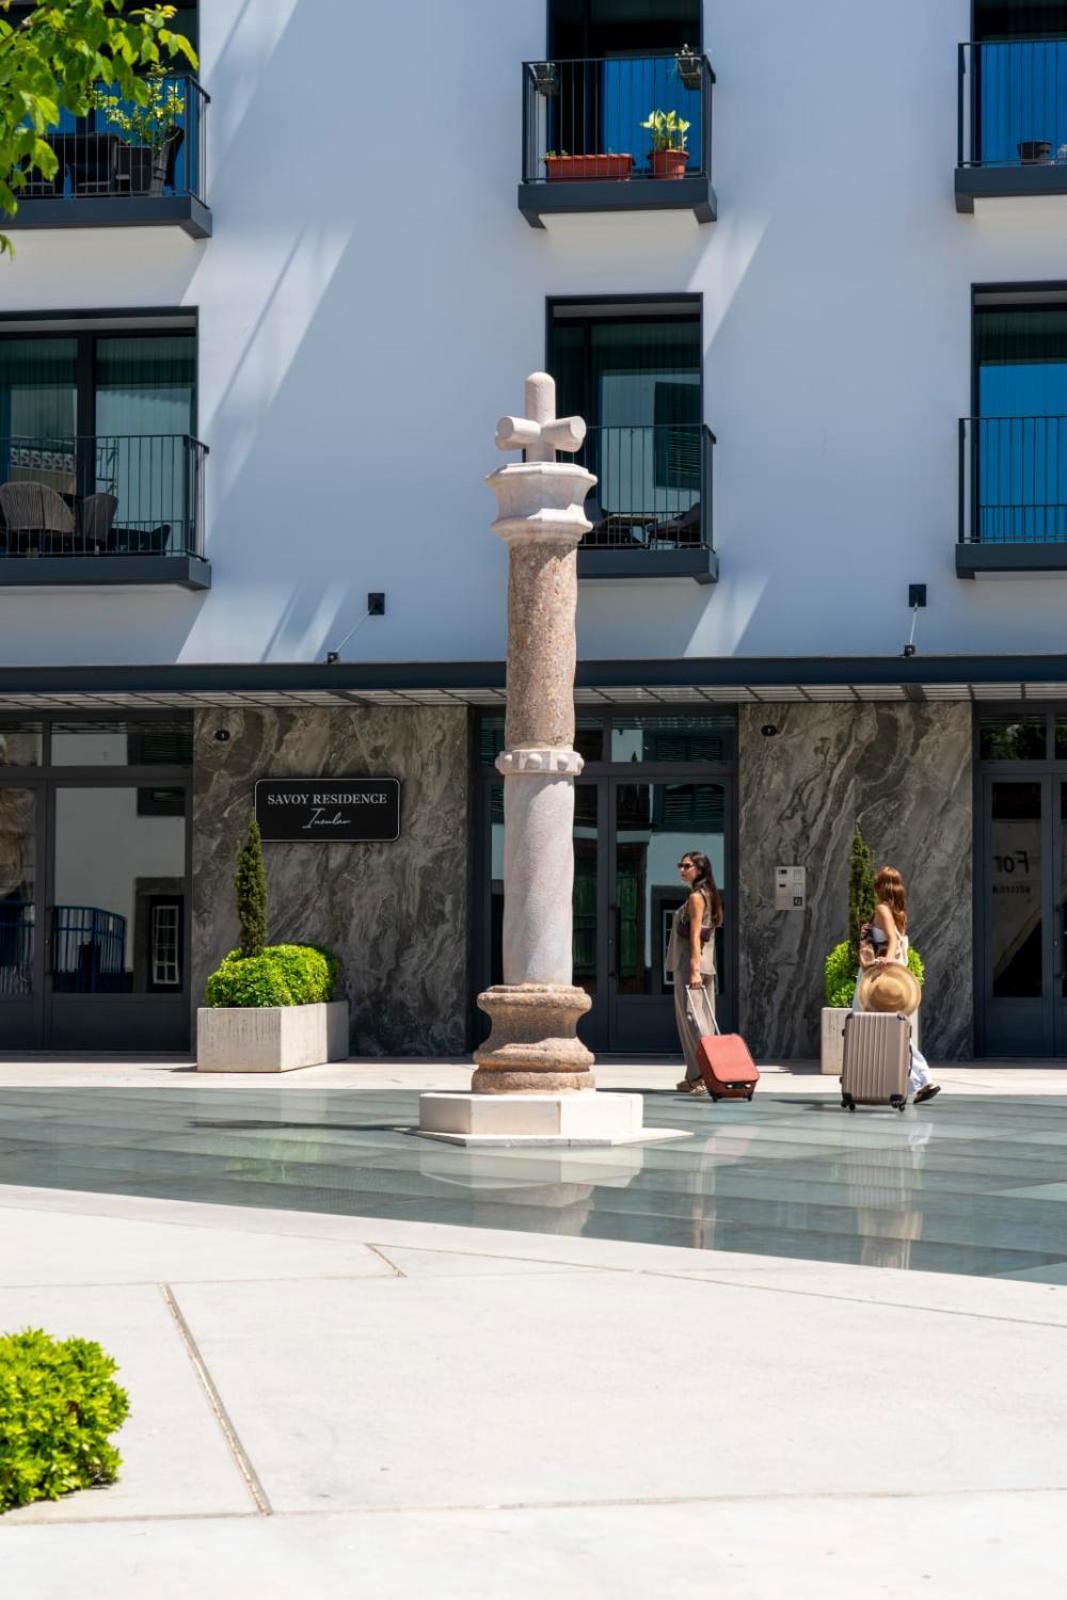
964 1185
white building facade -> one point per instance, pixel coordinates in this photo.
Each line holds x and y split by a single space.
250 365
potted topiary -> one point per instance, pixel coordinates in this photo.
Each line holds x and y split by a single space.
669 154
842 964
689 66
151 134
562 168
268 1008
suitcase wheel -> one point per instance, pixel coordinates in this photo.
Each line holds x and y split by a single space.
750 1093
716 1098
847 1103
898 1100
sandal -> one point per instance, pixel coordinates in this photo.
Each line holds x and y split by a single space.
927 1092
695 1086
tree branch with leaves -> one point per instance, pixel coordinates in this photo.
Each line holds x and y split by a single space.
54 60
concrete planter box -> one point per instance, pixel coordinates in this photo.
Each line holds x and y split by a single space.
270 1038
833 1042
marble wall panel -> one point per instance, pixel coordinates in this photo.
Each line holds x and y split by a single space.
903 771
396 914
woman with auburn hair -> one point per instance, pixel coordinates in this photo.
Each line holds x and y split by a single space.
884 940
691 960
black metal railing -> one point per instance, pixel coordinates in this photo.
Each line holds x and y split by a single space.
103 495
1012 103
653 489
121 149
582 120
1013 480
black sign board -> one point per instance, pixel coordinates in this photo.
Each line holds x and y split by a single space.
328 810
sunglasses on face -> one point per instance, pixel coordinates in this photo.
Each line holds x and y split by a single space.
686 866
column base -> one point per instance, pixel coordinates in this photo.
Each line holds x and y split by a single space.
481 1121
533 1048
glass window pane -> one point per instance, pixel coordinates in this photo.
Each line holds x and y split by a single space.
1012 739
37 395
18 888
119 895
20 744
656 823
710 737
588 739
1017 945
121 744
1061 738
145 385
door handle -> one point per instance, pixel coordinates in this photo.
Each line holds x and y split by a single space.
613 941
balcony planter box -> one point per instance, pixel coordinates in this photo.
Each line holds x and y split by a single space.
142 168
689 69
669 163
545 77
270 1038
573 169
833 1037
1035 152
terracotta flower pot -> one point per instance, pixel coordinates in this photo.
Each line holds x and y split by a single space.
669 163
569 169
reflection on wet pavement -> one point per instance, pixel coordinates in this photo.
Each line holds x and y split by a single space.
966 1185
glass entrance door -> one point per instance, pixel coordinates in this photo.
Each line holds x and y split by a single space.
1024 916
655 823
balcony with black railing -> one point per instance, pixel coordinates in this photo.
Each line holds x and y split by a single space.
107 509
622 133
125 164
651 508
1012 495
1012 120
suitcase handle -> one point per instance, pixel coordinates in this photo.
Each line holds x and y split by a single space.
699 988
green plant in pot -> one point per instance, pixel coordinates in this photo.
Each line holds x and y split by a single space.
669 154
842 964
258 974
151 133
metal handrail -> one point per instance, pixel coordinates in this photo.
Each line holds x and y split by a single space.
572 109
1013 479
654 486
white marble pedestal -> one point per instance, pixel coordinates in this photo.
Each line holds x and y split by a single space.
576 1117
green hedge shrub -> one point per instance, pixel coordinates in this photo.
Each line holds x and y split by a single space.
839 978
284 975
59 1404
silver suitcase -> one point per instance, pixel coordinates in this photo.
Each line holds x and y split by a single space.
877 1057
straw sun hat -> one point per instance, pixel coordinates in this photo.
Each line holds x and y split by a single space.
894 988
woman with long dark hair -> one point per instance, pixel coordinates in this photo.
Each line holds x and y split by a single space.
886 941
691 960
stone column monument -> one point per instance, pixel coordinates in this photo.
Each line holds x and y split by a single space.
523 1090
534 1012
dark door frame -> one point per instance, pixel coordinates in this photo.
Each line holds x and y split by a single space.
58 1012
606 775
1049 772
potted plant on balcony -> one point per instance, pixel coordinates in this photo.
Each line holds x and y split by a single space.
669 154
151 134
690 66
562 168
1035 152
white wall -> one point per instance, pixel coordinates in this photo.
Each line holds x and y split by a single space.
372 299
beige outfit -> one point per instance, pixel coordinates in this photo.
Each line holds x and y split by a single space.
678 964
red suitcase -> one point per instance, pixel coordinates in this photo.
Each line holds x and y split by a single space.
727 1068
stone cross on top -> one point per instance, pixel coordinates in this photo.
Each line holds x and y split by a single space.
540 433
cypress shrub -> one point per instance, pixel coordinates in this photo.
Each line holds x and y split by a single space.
250 883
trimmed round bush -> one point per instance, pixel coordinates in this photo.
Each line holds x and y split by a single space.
839 976
59 1405
284 975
